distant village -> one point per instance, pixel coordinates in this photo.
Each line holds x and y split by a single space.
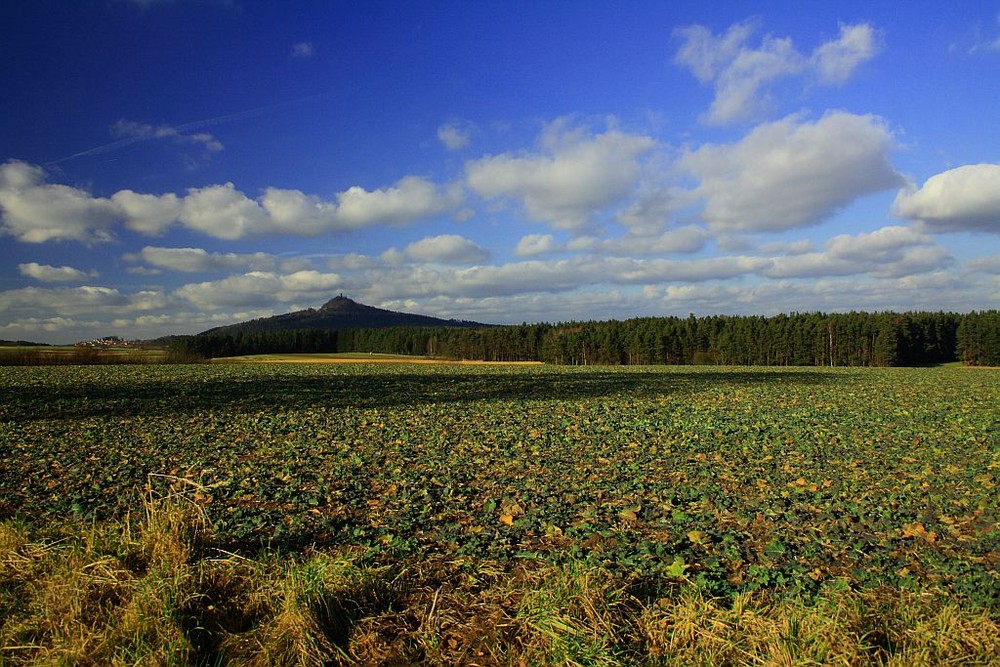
108 341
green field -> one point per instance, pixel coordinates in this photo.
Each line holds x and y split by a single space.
668 484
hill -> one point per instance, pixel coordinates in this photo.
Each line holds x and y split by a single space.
337 314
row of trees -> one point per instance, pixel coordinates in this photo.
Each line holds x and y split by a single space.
979 339
809 339
801 339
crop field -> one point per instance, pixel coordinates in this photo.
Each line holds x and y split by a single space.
480 486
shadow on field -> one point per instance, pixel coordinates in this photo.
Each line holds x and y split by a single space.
216 389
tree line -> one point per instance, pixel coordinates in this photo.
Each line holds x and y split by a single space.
798 339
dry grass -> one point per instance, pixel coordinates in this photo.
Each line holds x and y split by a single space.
876 627
152 590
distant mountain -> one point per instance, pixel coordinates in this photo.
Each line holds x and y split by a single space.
337 314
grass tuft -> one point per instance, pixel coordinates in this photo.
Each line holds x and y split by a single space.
572 615
875 627
152 589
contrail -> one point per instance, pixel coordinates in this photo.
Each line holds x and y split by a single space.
193 125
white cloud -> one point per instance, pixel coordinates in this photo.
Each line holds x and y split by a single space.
393 257
737 87
537 276
707 55
298 213
490 280
989 264
412 198
147 214
446 249
687 239
455 134
54 274
878 246
966 198
799 247
303 50
68 301
989 45
910 293
789 173
652 210
836 61
33 211
352 261
741 74
887 252
129 132
646 271
222 211
261 288
573 178
537 244
193 260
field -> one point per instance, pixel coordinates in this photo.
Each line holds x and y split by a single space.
68 355
403 513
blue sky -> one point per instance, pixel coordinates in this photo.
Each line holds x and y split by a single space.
167 166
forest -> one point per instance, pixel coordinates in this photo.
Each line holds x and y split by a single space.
798 339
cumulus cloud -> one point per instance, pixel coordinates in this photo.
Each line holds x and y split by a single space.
799 247
791 173
193 260
652 210
455 134
686 239
537 244
488 280
887 252
446 249
88 299
34 211
222 211
412 198
260 288
569 180
553 276
966 198
913 293
298 213
54 274
145 213
741 74
351 261
835 61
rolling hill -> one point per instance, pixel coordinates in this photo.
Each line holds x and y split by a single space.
338 314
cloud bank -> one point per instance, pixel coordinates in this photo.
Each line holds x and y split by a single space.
35 211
